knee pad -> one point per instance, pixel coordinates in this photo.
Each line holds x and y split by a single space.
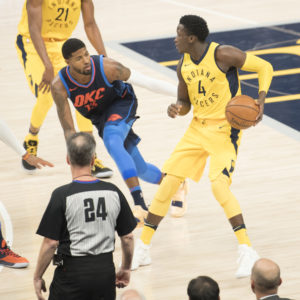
164 194
112 142
222 193
40 109
115 147
45 101
145 171
220 188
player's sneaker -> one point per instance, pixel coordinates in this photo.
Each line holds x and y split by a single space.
30 146
140 215
100 171
247 257
178 204
10 259
141 255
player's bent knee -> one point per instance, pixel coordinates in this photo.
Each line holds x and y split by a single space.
151 174
45 101
112 142
222 193
220 187
162 199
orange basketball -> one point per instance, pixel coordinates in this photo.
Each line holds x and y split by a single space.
241 112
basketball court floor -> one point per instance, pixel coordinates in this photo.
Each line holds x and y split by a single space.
266 180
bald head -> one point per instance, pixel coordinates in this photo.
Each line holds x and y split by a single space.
132 295
266 276
81 149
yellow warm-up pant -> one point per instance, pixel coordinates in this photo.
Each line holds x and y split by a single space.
34 69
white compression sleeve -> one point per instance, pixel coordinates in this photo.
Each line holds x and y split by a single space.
154 85
8 137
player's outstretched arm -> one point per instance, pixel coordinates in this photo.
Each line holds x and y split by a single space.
8 137
116 71
90 26
152 84
36 161
60 98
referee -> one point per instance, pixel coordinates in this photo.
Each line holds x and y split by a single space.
80 222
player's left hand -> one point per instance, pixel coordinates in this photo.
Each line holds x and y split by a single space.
38 162
122 278
47 78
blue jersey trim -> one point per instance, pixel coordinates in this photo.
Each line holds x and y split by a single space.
234 137
233 80
197 62
87 182
22 49
64 83
102 72
79 84
215 54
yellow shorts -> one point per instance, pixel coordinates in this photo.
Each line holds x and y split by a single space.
205 138
33 65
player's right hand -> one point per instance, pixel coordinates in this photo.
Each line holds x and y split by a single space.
47 78
38 162
173 110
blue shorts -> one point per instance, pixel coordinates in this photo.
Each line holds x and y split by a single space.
121 110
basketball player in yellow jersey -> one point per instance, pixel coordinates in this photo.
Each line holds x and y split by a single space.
45 25
208 79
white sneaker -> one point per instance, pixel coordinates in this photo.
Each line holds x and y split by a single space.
141 255
247 257
178 204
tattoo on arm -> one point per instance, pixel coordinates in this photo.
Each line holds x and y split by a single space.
122 73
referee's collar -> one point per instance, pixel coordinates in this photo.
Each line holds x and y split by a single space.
87 182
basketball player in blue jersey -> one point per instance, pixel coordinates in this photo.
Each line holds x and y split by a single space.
207 80
96 87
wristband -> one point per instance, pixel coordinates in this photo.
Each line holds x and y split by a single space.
25 156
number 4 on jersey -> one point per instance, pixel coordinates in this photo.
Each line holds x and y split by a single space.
201 89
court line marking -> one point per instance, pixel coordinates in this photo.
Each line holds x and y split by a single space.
9 235
212 12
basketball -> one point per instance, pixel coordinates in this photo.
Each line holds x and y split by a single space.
241 112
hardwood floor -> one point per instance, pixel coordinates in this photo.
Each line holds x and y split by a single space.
266 180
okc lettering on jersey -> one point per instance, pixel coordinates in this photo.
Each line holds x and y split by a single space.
88 100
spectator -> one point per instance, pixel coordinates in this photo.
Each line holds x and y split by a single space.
132 294
265 280
203 288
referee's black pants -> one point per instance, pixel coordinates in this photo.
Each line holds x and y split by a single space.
84 278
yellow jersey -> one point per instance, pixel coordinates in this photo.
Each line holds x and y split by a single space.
60 18
209 88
